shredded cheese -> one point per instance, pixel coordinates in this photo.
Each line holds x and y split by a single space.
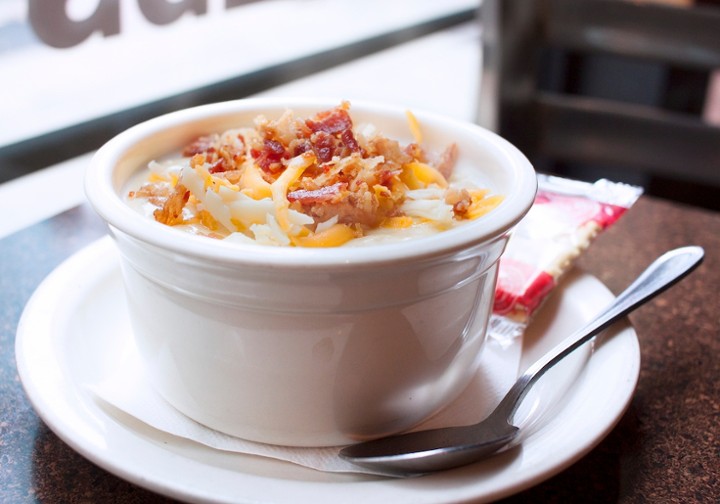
414 126
332 237
482 206
279 188
250 184
253 184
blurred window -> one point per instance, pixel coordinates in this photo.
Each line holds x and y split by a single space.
74 72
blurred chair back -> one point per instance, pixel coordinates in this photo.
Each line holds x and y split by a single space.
542 90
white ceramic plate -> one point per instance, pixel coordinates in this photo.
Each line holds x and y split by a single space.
75 327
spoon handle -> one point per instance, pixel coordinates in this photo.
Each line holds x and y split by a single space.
665 271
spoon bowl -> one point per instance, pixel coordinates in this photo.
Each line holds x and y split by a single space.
432 450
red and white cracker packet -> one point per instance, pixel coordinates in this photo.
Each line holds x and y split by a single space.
565 218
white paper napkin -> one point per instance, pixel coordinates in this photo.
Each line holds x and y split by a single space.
130 392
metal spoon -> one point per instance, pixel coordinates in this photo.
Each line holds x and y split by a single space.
433 450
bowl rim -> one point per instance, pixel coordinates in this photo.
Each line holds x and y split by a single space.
100 191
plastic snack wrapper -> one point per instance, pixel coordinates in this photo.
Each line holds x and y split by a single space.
564 220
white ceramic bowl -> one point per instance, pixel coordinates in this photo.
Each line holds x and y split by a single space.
308 347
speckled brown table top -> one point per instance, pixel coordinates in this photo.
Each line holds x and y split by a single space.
665 449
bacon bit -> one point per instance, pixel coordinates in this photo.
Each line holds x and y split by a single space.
300 146
460 199
271 156
221 159
155 193
390 150
200 145
323 145
220 166
349 140
447 160
332 121
416 152
332 134
387 176
361 208
322 195
171 211
274 149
